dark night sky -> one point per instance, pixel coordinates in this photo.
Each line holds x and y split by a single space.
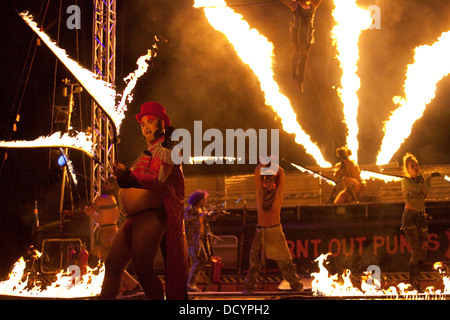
197 76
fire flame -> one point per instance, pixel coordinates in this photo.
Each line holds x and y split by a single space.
132 79
257 52
369 175
18 284
325 285
350 22
100 90
431 64
81 141
315 174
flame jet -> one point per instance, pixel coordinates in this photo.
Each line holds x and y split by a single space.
350 22
257 52
431 64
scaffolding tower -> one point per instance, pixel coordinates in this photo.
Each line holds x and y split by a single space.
104 133
104 66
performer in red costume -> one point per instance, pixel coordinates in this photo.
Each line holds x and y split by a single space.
152 197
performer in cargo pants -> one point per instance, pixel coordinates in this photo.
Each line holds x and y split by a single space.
269 241
414 220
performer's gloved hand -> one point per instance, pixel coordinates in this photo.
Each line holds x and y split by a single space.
118 169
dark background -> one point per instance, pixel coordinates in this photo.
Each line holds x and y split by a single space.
198 76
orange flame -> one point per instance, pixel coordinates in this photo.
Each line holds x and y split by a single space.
18 285
325 285
257 52
431 64
350 22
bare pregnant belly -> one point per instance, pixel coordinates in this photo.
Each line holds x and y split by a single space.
133 200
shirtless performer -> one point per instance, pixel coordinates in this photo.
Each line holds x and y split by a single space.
152 196
269 241
348 172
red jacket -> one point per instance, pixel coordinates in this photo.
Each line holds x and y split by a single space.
148 172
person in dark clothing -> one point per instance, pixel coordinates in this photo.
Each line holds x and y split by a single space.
302 36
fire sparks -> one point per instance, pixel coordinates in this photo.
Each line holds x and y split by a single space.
431 64
257 52
350 22
81 141
66 286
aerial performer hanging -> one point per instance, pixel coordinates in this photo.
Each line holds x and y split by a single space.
302 36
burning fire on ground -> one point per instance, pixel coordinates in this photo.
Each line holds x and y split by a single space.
69 284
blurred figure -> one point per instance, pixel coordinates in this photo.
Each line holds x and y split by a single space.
105 212
414 219
302 35
197 230
198 234
348 172
269 241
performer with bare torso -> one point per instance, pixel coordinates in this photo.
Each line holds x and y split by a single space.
269 241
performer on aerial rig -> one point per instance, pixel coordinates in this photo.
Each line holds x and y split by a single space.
302 35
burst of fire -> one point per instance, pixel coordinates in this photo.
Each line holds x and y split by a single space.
325 285
350 22
315 174
132 79
81 141
99 90
65 286
257 52
431 64
369 175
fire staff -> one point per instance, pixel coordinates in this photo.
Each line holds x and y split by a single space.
414 219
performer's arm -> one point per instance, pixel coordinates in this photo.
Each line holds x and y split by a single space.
155 177
316 3
281 181
258 183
